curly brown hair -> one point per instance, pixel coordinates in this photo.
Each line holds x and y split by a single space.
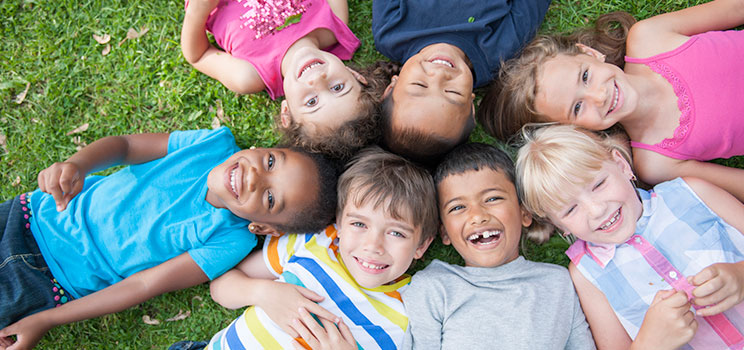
360 131
509 102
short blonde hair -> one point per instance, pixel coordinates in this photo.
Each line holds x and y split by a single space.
554 159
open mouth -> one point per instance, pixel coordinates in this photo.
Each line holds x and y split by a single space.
370 266
442 61
309 65
615 98
485 237
610 223
232 180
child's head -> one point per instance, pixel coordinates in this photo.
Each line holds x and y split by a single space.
579 180
529 89
278 189
331 108
386 216
428 108
482 216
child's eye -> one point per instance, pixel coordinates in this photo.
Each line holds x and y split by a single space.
270 161
270 199
337 87
419 84
585 75
599 184
311 102
577 108
453 92
397 234
493 199
358 224
569 211
455 208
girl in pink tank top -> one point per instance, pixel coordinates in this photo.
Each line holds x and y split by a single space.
677 93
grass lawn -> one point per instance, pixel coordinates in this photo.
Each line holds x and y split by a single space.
59 91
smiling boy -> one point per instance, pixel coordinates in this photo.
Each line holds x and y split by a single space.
518 304
386 218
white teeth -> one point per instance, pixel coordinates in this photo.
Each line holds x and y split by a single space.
372 266
485 234
442 62
232 180
309 67
612 221
614 101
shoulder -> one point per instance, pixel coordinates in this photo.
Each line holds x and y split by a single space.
554 275
653 167
646 38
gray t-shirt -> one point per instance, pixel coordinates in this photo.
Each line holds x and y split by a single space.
519 305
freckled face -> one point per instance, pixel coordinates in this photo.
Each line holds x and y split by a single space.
266 185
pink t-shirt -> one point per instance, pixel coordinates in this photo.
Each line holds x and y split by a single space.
707 74
261 31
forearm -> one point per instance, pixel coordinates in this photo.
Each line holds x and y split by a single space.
100 154
235 289
194 41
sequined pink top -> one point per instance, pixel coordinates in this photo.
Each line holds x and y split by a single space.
261 31
707 74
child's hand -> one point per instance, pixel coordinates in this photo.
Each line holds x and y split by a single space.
325 337
283 300
63 180
668 323
28 331
719 287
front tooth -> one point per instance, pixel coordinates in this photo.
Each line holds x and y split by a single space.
473 237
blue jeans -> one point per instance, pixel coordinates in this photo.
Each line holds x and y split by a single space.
26 285
188 345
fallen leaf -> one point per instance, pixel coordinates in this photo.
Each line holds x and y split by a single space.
106 50
151 321
34 120
4 142
79 129
181 315
216 123
221 112
102 39
22 96
133 34
16 182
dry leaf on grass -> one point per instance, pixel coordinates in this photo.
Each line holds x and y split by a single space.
133 34
181 315
151 321
102 39
22 96
4 142
221 112
106 50
16 182
79 129
216 123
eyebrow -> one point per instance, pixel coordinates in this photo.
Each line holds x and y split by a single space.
569 115
279 204
403 225
490 189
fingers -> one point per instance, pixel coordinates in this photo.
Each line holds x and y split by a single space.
714 309
346 332
663 294
670 298
704 275
310 294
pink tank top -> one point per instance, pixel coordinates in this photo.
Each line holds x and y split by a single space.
261 31
707 74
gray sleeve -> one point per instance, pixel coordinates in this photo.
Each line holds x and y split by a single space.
424 302
580 337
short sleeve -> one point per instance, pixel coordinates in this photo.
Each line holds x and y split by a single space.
221 138
222 251
424 303
278 250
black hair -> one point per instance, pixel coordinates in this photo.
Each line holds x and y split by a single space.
474 156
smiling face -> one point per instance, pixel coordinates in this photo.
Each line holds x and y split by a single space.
264 185
604 210
482 217
583 90
375 247
320 91
434 92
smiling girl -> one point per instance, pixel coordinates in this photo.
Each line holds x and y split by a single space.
677 97
641 258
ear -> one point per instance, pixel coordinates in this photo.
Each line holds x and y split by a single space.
390 87
422 248
618 158
591 52
526 217
265 229
359 77
284 114
445 237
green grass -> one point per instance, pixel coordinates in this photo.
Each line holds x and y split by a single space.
144 84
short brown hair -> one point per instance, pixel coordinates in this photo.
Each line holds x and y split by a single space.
405 190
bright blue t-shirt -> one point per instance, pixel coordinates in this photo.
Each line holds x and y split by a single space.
142 216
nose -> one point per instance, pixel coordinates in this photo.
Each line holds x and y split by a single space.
598 94
373 242
478 216
252 178
321 78
596 208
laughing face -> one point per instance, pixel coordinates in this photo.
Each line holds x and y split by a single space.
264 185
584 90
606 209
375 247
482 217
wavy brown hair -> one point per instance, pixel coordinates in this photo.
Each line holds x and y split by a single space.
509 102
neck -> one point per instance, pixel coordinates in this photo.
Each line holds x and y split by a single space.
306 41
648 111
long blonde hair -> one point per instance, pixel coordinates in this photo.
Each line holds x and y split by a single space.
509 102
554 159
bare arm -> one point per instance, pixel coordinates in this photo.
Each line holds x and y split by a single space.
174 274
653 168
667 31
237 75
340 8
64 180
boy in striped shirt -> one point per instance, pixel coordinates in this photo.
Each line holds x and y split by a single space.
355 270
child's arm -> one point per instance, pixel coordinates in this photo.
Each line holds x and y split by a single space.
237 75
329 336
64 180
667 31
668 323
719 286
340 8
177 273
251 283
654 168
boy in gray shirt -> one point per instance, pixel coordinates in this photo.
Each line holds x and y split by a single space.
498 300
